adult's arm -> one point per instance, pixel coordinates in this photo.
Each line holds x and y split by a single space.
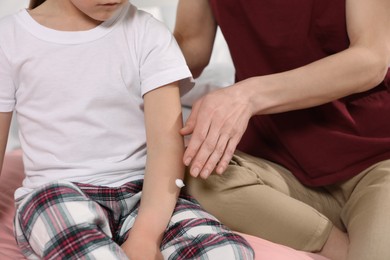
5 122
195 31
165 149
219 119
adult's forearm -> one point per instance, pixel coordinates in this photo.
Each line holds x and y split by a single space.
348 72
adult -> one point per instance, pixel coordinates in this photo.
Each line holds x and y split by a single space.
308 114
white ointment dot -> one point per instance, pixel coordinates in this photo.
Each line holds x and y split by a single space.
179 183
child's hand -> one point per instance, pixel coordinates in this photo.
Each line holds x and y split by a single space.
139 248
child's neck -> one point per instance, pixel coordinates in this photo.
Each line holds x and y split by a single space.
62 16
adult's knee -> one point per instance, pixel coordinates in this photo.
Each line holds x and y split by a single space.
206 192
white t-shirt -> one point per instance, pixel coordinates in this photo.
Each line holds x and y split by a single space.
78 96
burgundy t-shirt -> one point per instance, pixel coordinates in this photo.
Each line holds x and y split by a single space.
320 145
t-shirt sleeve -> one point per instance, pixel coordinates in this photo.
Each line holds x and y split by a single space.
7 88
161 60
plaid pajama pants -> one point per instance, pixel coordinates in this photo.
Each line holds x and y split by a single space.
64 220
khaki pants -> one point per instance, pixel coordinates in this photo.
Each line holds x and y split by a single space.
258 197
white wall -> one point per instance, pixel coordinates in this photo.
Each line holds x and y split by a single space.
167 8
154 2
11 6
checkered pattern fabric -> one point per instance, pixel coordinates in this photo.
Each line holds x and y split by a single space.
64 220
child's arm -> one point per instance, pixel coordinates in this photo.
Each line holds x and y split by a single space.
5 121
165 148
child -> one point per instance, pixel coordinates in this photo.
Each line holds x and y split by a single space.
95 88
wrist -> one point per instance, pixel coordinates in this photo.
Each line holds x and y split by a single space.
149 227
244 91
147 233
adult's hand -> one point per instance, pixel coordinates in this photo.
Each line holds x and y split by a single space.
217 122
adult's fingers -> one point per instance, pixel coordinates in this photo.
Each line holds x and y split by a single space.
191 120
227 155
215 156
199 134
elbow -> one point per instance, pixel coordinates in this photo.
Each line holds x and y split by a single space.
197 69
196 63
196 56
380 69
375 71
196 73
381 64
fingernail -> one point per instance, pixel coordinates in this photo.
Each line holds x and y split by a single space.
187 161
195 172
205 174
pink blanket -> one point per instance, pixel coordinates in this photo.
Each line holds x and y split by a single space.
11 178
